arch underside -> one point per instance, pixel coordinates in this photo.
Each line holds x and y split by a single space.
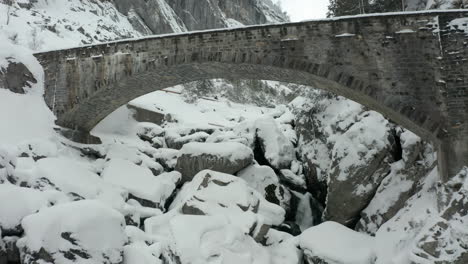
88 113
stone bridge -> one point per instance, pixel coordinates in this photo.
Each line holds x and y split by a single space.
411 67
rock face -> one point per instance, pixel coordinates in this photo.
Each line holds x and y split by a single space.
446 240
226 157
156 17
400 184
62 234
15 77
357 164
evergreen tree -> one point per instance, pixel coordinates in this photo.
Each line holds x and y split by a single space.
354 7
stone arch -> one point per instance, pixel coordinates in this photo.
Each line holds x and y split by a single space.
88 113
409 67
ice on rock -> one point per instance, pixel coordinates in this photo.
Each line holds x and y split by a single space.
83 231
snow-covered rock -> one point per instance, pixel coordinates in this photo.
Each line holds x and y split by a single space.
141 248
16 76
11 252
151 133
266 182
360 160
445 238
176 138
74 178
83 231
331 242
227 157
214 239
212 193
17 203
215 203
142 185
400 184
273 144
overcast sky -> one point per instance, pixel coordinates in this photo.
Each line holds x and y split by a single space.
304 9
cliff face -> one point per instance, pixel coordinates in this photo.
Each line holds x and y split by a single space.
165 16
54 24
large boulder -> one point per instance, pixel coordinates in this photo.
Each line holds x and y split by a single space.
332 243
76 179
431 227
445 240
400 184
141 184
226 157
212 239
11 252
84 231
17 203
361 159
266 182
144 115
151 133
15 77
213 193
176 138
272 147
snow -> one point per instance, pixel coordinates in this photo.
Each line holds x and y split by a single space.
24 117
338 244
345 35
36 157
202 113
18 202
405 31
82 218
395 239
259 177
71 176
360 142
140 181
213 239
231 150
279 151
225 198
56 24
